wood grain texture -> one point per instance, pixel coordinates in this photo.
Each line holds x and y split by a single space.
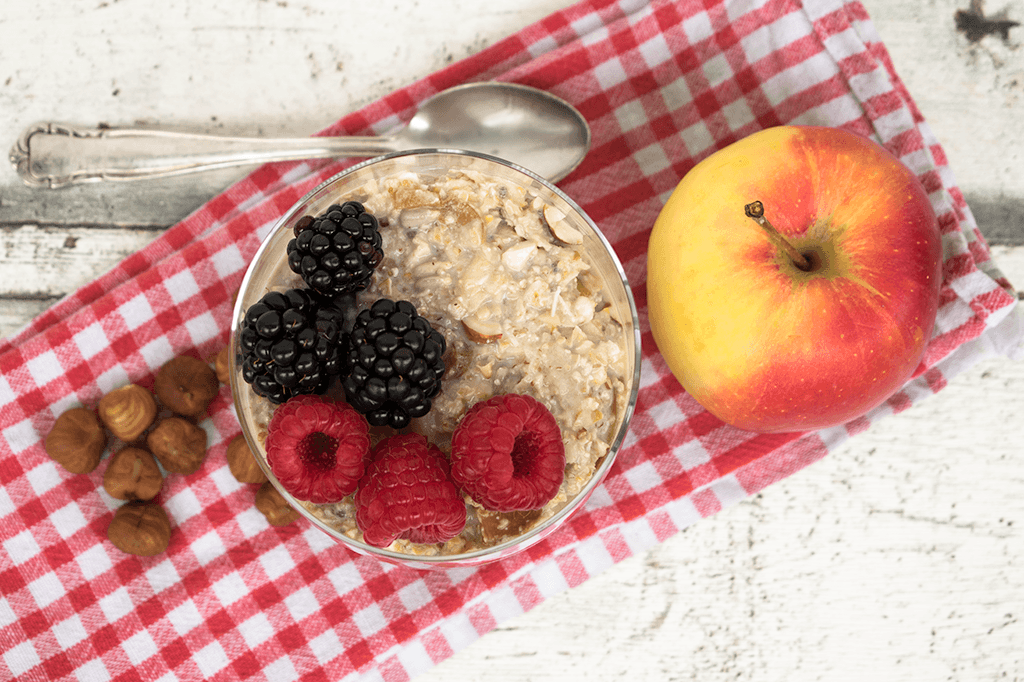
970 93
896 558
238 67
255 67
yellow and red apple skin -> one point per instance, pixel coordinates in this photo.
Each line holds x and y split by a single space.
763 345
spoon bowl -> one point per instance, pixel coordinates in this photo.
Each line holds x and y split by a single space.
526 126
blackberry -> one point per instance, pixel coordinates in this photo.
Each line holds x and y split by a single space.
393 363
290 345
336 252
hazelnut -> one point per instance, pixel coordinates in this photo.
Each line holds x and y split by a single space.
140 528
274 506
222 364
76 440
243 463
132 474
127 411
179 444
186 386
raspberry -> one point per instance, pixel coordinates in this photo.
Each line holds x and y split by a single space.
407 492
317 447
507 453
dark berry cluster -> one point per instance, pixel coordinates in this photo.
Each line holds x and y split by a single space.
336 252
290 345
393 363
295 343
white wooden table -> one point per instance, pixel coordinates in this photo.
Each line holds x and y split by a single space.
897 558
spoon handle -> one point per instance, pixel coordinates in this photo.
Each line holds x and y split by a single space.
57 155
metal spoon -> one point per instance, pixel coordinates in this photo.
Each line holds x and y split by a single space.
524 125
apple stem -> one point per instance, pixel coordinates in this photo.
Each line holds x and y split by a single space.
755 211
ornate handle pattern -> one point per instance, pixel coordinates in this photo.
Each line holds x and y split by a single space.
58 155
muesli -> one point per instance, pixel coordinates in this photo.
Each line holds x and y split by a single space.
508 283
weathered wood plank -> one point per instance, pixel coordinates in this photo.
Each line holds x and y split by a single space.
41 264
15 312
312 62
50 261
152 203
971 93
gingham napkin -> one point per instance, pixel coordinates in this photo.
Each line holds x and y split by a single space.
663 84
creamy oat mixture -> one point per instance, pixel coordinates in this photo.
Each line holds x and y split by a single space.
507 282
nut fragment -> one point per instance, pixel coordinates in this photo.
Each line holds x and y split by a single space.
127 411
517 257
76 440
458 357
186 386
481 331
140 528
562 231
497 526
274 506
221 366
179 444
243 463
132 474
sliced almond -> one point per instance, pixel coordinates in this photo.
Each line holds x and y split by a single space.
481 331
563 232
517 257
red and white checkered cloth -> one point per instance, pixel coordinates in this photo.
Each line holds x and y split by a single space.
663 84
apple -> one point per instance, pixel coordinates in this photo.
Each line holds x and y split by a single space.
793 278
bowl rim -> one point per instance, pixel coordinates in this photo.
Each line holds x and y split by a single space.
541 530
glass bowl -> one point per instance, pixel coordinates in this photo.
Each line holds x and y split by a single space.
269 266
